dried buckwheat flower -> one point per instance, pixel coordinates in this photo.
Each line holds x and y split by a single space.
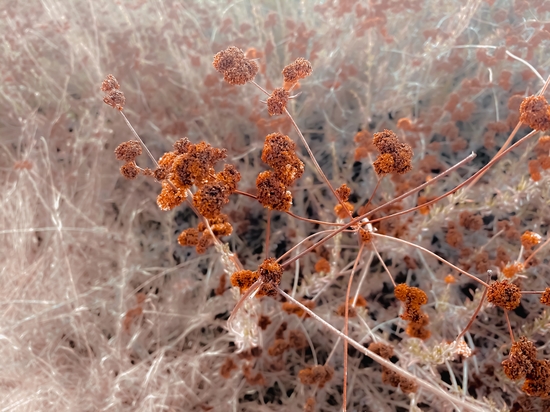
530 239
316 375
545 297
278 348
504 295
189 237
297 70
511 270
470 221
380 348
277 101
243 279
534 112
128 151
234 66
182 146
395 156
109 84
272 193
343 192
129 170
169 197
210 198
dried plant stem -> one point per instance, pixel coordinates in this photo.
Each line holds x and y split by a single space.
384 362
474 316
267 233
434 255
139 138
358 219
317 222
509 326
346 320
383 264
288 252
466 182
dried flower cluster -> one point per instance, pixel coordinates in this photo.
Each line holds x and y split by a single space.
269 273
535 112
523 363
279 153
414 298
127 152
394 157
277 101
234 66
545 297
293 309
201 237
113 95
343 193
504 295
361 303
297 70
389 376
316 375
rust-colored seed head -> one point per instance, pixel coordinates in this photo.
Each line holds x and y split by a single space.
230 176
182 146
530 239
401 154
270 272
343 192
128 151
234 66
205 241
366 236
115 99
210 198
276 103
534 112
243 279
227 367
297 339
278 348
316 375
418 329
309 406
279 153
385 351
169 197
513 269
228 58
470 221
401 291
342 212
538 380
109 84
408 385
272 193
189 237
129 170
263 321
545 297
523 355
297 70
504 295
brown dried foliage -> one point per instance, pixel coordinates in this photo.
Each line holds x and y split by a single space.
297 70
235 67
129 170
545 297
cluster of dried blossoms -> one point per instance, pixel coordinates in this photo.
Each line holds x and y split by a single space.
316 375
535 112
113 95
523 363
343 193
269 274
389 376
279 153
414 298
128 152
394 157
292 73
503 294
234 66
